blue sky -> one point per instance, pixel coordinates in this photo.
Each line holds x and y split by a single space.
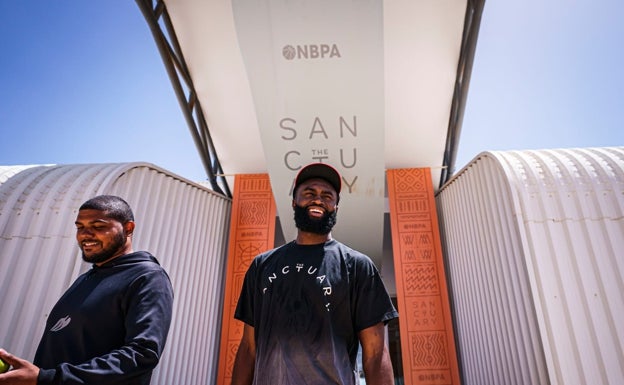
82 82
547 74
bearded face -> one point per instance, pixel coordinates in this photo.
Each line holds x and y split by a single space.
315 206
317 225
100 237
107 250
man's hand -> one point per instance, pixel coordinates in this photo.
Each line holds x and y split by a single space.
21 373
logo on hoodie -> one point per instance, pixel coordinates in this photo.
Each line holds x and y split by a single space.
60 324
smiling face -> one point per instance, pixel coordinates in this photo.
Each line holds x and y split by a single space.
315 205
102 238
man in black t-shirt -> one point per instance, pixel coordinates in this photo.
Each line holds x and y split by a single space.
309 304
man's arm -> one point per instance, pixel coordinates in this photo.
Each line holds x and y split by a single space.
244 364
375 356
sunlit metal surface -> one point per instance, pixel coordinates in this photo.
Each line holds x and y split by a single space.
533 243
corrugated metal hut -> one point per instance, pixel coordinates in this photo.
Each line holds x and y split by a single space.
533 243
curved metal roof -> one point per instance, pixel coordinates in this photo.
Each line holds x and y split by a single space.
533 250
428 50
268 86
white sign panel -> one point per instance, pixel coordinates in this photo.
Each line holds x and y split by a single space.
315 69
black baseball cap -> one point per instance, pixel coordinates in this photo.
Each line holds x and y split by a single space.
321 171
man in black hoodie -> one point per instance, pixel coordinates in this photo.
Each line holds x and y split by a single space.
111 325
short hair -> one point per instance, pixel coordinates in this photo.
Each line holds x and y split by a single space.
113 206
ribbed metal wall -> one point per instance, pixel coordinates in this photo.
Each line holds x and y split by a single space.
182 223
533 243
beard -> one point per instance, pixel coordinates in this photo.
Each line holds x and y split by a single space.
113 248
317 226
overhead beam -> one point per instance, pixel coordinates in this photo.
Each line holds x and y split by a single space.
472 22
157 17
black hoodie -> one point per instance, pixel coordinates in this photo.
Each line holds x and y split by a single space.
110 326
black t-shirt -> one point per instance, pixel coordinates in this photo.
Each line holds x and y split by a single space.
307 303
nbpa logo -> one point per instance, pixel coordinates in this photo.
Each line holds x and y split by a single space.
311 51
60 324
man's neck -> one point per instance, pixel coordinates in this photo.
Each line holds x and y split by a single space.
307 238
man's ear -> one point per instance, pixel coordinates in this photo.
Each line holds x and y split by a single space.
293 203
129 228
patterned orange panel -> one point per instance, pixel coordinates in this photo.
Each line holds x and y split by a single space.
427 340
252 231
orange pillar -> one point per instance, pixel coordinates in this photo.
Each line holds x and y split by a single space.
252 231
425 324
